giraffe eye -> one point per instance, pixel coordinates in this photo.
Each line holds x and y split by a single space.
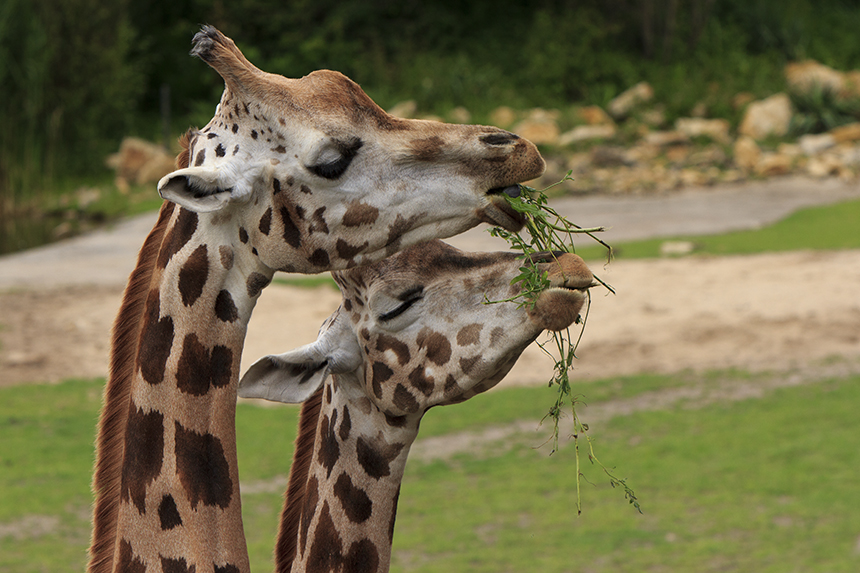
336 159
409 298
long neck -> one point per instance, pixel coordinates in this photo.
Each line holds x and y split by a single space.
344 484
166 477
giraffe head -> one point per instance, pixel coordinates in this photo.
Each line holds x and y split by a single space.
413 331
319 177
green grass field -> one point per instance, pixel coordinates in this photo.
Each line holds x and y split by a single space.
757 485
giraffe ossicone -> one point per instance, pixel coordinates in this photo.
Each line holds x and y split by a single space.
412 332
304 175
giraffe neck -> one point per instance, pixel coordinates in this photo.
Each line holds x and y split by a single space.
169 486
344 483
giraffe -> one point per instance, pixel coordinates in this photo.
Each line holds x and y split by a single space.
411 333
301 175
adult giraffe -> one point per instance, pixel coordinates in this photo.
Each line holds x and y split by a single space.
412 332
302 175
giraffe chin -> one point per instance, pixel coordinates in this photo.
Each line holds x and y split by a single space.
557 308
500 214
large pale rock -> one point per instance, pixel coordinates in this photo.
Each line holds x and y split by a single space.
746 153
540 127
663 138
140 161
770 116
846 133
715 129
770 164
587 133
815 143
808 76
594 115
460 115
503 117
624 103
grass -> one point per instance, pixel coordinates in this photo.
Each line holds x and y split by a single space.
823 227
759 485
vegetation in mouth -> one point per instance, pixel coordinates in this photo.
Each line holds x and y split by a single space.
548 231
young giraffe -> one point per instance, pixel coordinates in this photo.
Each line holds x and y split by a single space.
302 175
412 333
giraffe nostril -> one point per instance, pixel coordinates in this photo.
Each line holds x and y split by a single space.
501 138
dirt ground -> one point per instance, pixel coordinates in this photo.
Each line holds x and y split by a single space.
762 312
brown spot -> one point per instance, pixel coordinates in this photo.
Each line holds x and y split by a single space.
376 461
421 382
220 151
306 190
193 275
226 254
469 334
355 502
243 235
496 335
437 345
176 566
345 425
399 228
362 557
198 370
310 506
318 223
404 399
326 552
235 128
202 468
201 157
451 386
276 186
466 364
227 568
347 251
266 221
144 451
347 304
329 451
395 421
393 514
254 134
236 149
168 514
178 235
292 235
385 342
319 258
225 308
256 283
156 340
381 373
128 561
427 148
359 213
279 149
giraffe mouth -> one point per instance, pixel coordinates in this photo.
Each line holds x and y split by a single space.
499 212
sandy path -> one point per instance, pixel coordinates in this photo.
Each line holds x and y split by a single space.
771 311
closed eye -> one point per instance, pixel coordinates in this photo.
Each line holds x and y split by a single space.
409 298
337 167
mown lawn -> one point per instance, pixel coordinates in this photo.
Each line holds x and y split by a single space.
757 485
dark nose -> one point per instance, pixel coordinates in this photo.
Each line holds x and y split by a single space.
499 138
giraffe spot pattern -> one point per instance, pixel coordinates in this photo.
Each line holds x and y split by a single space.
144 445
276 186
470 334
404 399
201 157
362 557
220 151
177 237
291 234
329 451
346 251
202 468
451 386
345 425
199 370
266 221
168 513
380 374
243 235
256 283
359 213
310 505
156 340
395 421
420 381
376 462
354 500
496 335
225 308
128 561
400 349
393 514
227 568
326 552
437 346
176 566
193 275
427 148
319 258
226 254
318 223
467 364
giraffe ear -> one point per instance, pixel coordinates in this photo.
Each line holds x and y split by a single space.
207 189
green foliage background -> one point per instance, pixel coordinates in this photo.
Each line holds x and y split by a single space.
78 75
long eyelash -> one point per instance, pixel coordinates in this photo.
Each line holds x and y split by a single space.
399 310
338 167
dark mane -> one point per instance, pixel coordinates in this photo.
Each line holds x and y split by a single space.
111 439
291 515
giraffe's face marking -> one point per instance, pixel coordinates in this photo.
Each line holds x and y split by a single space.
470 334
144 444
156 340
193 275
168 514
202 468
200 370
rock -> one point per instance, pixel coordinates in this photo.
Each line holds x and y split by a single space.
503 117
710 155
594 115
746 153
664 138
86 196
609 156
770 116
807 76
405 109
823 166
846 133
141 161
678 153
715 129
813 144
622 105
539 127
655 117
460 115
789 149
770 164
587 133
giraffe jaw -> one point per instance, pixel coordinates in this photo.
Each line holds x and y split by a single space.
499 212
